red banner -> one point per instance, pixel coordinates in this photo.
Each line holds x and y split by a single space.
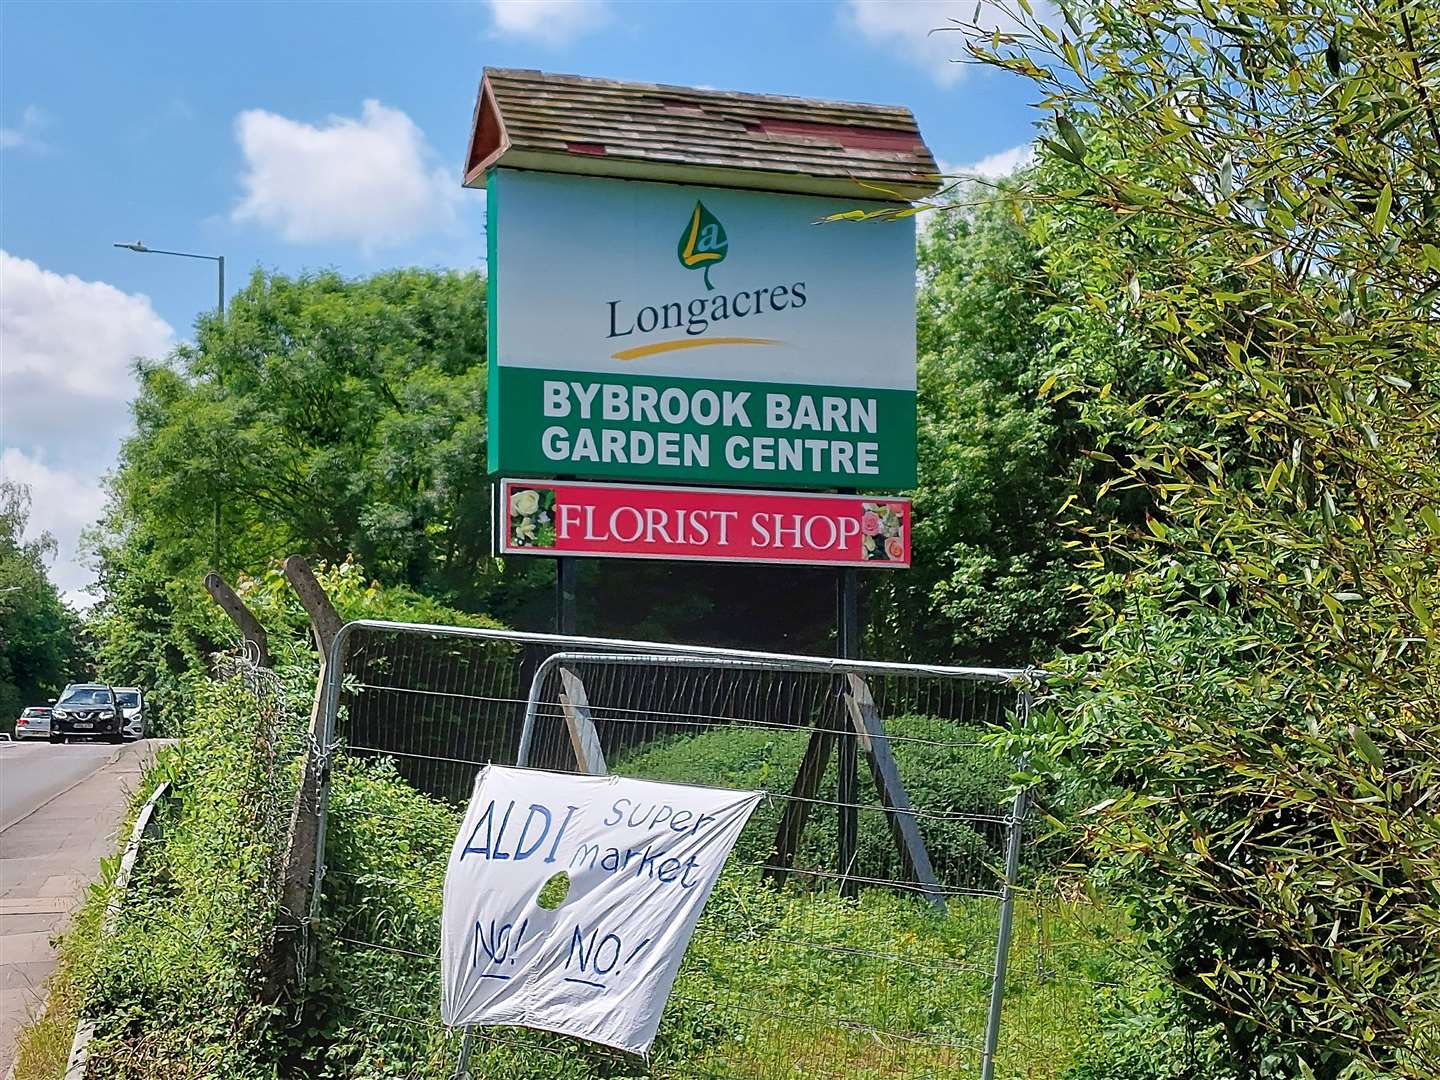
630 521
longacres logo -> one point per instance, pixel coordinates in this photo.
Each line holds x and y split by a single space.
703 243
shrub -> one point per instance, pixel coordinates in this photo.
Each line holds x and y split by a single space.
1243 195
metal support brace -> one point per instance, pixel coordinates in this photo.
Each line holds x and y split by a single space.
899 812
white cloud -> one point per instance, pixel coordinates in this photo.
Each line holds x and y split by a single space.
993 166
63 502
66 349
372 180
32 121
549 22
68 346
904 27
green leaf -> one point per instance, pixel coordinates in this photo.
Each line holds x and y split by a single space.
1382 211
1071 135
1072 57
1431 519
1368 750
1070 20
1061 151
1432 256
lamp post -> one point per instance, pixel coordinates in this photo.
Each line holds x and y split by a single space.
219 261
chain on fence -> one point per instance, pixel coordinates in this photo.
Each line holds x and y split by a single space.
854 932
278 741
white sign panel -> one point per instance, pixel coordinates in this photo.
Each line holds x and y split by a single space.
663 332
640 858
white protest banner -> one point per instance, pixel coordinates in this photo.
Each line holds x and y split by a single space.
640 859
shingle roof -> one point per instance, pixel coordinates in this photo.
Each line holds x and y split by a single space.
566 123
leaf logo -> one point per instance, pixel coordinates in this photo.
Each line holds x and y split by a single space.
703 243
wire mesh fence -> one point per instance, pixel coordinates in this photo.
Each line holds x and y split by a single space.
854 932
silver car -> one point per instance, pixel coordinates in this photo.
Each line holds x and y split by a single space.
132 707
33 723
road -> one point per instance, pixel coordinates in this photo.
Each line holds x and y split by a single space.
32 772
61 807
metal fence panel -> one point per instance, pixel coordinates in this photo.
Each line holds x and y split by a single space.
855 932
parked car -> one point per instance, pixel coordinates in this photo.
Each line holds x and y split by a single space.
87 711
34 722
132 709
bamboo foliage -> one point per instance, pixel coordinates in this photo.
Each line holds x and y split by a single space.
1237 206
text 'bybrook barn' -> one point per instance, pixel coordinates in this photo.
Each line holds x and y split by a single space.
823 414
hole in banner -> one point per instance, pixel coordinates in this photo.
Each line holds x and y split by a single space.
554 891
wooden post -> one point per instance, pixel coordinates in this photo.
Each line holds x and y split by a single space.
290 947
250 628
584 739
797 808
914 859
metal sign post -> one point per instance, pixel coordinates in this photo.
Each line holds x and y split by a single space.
566 573
847 590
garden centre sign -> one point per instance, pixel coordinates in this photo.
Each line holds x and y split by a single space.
669 332
716 524
570 900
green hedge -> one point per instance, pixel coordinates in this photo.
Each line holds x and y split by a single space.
945 768
177 988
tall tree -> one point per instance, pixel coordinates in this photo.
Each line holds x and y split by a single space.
42 644
990 569
328 416
324 416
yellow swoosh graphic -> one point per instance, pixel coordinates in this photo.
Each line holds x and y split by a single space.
689 343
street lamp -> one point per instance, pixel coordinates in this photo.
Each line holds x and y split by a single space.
219 260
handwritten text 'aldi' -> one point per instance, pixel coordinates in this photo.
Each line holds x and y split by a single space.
494 838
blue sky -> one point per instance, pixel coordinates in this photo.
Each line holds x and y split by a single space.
294 136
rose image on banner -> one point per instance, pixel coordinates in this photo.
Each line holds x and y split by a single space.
570 900
532 517
882 532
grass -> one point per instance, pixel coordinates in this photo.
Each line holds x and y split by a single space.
790 983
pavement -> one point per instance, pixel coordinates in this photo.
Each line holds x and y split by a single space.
60 809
